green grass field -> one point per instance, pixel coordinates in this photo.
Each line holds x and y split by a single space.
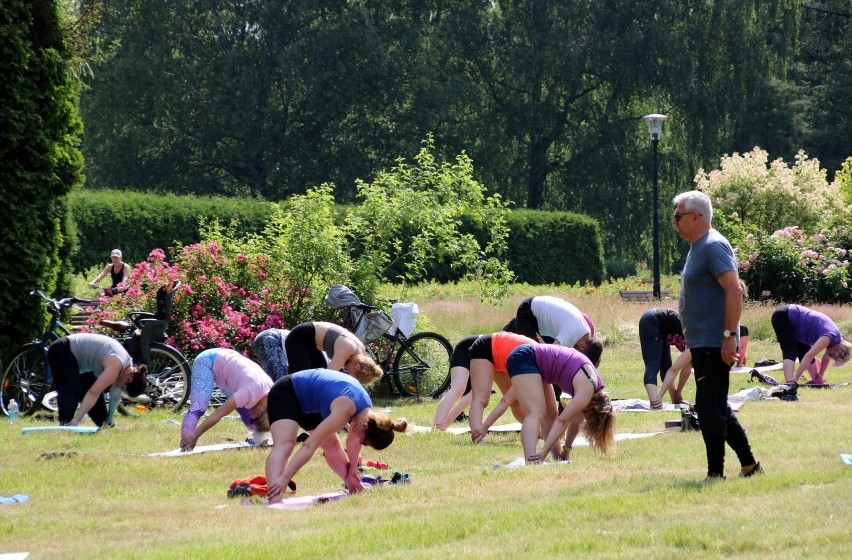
108 499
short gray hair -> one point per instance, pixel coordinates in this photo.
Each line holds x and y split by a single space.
696 201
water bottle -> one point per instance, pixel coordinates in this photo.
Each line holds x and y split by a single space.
13 411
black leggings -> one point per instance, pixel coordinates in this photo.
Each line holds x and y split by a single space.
716 420
301 348
283 404
71 385
786 335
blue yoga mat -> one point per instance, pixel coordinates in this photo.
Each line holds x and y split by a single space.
74 429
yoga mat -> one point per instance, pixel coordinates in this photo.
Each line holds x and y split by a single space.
16 499
505 428
639 405
501 428
74 429
202 449
14 555
580 441
847 458
301 502
761 369
521 462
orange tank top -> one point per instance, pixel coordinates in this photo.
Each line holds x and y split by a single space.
502 344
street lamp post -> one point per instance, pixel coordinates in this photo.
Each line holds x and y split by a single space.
655 128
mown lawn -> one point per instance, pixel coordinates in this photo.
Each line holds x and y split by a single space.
106 498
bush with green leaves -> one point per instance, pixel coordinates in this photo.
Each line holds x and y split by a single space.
40 163
792 266
772 196
235 286
843 178
411 218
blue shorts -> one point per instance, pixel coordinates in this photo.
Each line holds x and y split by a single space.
522 361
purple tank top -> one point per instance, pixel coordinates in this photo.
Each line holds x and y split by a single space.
810 325
559 365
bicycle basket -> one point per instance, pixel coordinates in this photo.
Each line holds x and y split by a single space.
373 325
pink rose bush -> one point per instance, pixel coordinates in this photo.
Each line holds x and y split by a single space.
225 299
792 266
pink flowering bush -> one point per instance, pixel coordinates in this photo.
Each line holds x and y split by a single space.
225 299
791 266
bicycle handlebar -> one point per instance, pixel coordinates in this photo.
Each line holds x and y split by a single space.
55 305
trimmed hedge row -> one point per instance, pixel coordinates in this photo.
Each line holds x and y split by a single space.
138 222
544 247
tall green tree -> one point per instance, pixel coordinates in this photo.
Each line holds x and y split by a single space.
258 97
806 106
39 161
545 96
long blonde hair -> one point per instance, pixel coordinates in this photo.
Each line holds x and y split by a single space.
599 426
368 371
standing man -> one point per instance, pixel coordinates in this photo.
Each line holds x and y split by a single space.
711 300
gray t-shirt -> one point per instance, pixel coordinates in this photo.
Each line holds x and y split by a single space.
90 350
702 298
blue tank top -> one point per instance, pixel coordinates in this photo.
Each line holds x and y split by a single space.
317 388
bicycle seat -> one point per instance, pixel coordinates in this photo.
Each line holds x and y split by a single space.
118 326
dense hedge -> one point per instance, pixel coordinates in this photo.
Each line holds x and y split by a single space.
555 247
138 222
39 163
544 247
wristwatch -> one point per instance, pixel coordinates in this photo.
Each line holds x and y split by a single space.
728 334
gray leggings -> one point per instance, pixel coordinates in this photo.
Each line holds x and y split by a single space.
268 347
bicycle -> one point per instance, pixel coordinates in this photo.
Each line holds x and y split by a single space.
418 364
27 378
143 337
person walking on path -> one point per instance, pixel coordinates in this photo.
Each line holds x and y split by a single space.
710 305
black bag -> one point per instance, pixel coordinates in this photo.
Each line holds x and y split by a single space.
689 419
765 362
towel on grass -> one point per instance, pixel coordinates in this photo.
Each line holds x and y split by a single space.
580 441
513 427
639 405
15 499
74 429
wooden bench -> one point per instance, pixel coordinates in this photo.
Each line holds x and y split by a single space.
83 311
643 295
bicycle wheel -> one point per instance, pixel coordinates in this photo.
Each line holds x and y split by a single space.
168 379
26 379
421 367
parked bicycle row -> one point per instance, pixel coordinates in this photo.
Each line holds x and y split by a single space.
418 365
